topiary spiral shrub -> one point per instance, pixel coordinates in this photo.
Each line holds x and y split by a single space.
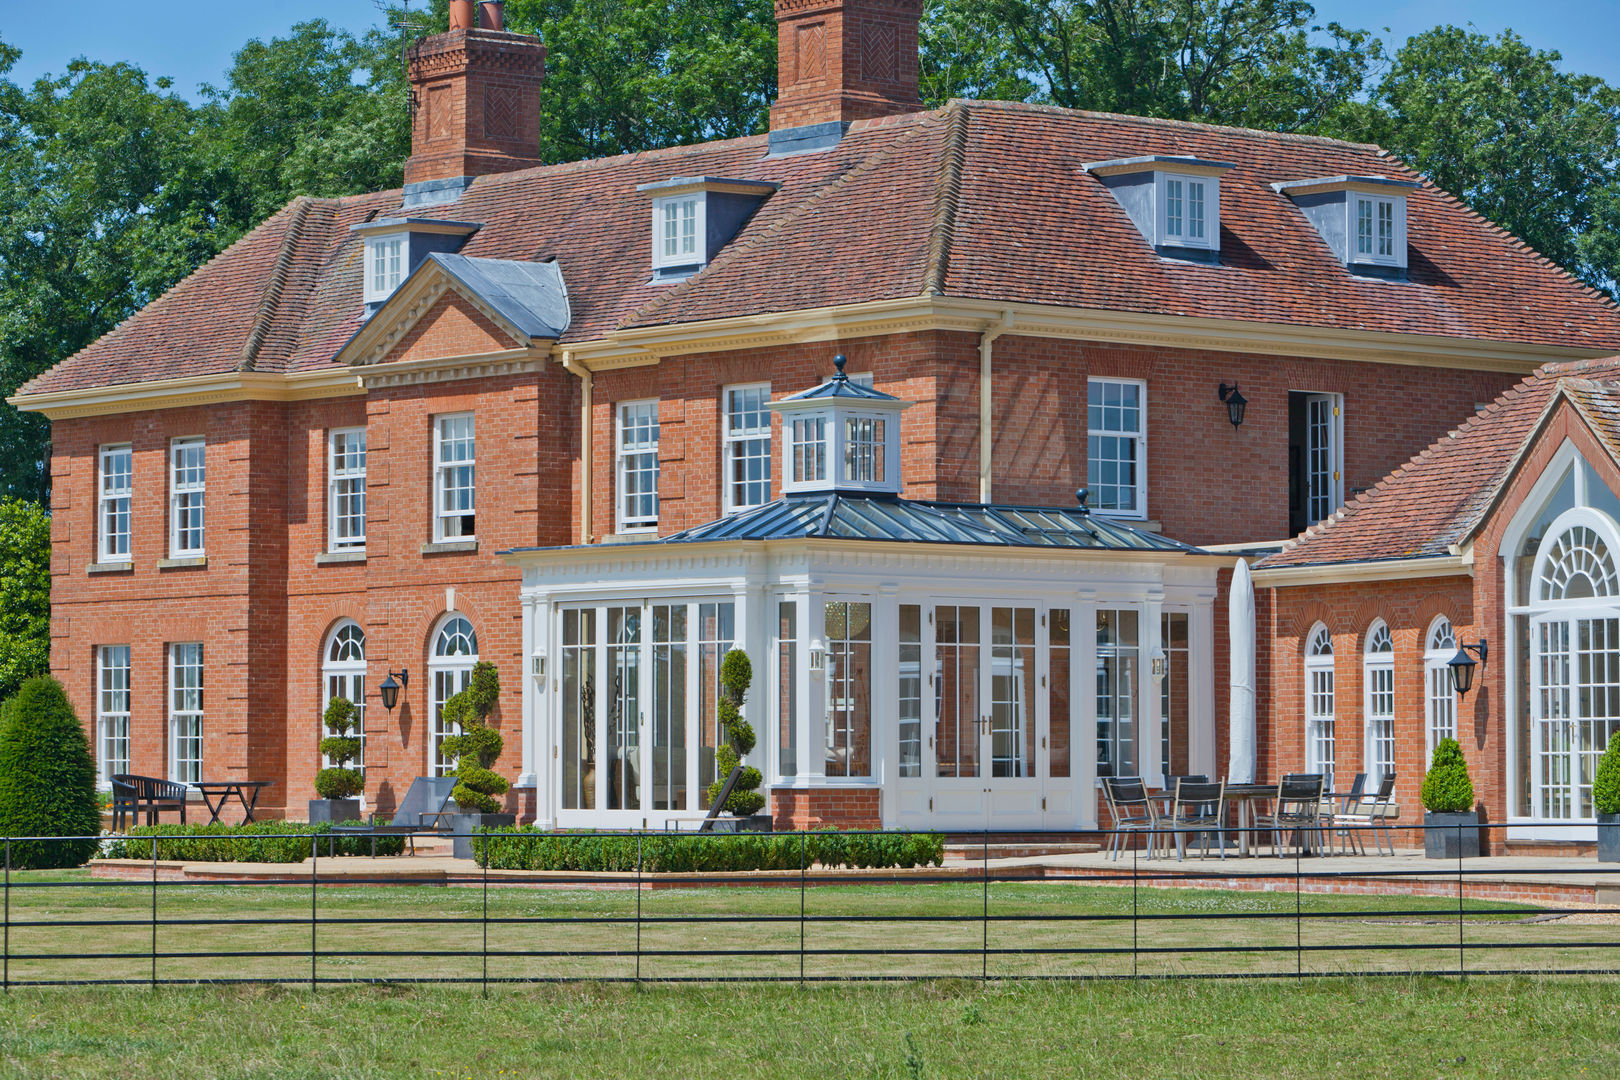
1606 783
479 745
340 781
1446 787
47 778
736 674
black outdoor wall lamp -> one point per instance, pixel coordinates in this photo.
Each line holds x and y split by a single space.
390 689
1462 665
1236 403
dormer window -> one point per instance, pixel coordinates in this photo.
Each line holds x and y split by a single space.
395 247
841 436
693 217
1174 202
1362 219
385 263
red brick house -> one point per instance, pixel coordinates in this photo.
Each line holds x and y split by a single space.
544 415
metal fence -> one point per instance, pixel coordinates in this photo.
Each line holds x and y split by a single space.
977 916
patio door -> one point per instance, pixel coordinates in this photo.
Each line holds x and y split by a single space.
1575 705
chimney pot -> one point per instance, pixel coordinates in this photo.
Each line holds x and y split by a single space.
492 14
461 14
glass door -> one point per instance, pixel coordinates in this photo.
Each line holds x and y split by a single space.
1576 705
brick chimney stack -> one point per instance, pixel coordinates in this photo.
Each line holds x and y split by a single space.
842 60
477 104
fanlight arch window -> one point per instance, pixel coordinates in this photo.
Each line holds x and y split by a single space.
450 665
343 674
1378 670
1440 699
1576 564
1319 703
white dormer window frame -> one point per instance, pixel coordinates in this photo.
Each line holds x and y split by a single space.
1376 228
386 254
679 230
1188 209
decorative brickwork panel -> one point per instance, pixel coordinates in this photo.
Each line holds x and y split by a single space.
809 52
880 54
502 111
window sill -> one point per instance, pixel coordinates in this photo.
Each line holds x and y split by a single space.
446 547
110 567
330 558
632 536
188 562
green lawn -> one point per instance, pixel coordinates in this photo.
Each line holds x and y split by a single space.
1361 1028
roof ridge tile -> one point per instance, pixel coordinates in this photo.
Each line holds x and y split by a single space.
270 298
947 200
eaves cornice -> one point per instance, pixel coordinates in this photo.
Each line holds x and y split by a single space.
191 390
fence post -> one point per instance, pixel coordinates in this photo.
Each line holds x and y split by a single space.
8 917
314 876
1462 972
154 911
1299 921
984 953
803 873
1135 923
638 909
487 841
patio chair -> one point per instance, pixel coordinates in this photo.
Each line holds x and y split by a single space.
1297 812
1132 811
419 811
1198 811
1334 809
1373 815
131 794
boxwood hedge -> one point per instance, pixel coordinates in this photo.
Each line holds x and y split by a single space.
258 841
527 848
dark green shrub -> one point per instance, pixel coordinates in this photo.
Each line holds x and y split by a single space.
1446 787
340 781
257 841
736 673
706 853
479 745
1606 783
47 778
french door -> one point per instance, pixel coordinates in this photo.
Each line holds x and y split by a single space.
1322 465
1575 706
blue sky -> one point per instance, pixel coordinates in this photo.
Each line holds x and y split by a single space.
193 41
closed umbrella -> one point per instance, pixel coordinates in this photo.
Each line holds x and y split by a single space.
1240 615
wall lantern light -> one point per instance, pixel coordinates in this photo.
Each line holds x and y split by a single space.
1236 403
818 657
1462 665
390 689
1158 662
537 666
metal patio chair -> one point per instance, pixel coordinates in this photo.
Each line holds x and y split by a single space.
1297 812
1197 811
1132 810
1372 815
1336 806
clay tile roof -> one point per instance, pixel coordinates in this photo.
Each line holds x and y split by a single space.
979 200
1441 496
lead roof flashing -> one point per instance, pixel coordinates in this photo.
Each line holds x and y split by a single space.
1183 163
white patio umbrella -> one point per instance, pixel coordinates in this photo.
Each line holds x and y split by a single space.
1240 624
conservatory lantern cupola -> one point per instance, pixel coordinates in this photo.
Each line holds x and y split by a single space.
841 436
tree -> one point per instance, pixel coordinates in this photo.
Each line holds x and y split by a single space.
47 778
340 781
25 593
1496 123
479 745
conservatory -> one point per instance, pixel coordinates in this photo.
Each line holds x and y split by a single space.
916 664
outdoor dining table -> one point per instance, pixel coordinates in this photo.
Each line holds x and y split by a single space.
215 794
1241 797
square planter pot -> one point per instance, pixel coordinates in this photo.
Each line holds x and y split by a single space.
333 810
1608 830
1451 836
462 826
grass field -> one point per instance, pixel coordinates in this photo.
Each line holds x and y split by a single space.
1362 1028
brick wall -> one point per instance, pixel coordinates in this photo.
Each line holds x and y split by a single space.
799 809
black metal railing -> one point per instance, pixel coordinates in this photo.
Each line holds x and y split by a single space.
1087 917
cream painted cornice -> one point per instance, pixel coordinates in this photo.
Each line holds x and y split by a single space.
647 345
192 390
447 368
400 313
1378 570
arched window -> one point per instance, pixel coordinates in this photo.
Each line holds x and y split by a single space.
343 674
1378 671
1440 699
1576 565
450 664
1319 703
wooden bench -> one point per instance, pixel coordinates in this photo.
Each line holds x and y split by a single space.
132 794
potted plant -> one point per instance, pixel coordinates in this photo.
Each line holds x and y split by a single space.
474 751
745 800
339 784
1450 822
1606 800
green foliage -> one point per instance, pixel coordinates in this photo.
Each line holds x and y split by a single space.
479 745
47 778
1606 782
256 841
340 781
736 674
527 848
25 592
1446 787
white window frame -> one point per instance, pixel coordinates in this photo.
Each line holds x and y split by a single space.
1439 697
112 712
381 281
883 454
115 503
186 714
1140 438
345 483
1396 205
1166 185
350 674
445 471
632 458
694 253
793 478
448 674
1320 664
1378 682
741 446
187 495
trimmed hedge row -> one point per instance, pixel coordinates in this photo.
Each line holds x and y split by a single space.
258 841
661 853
